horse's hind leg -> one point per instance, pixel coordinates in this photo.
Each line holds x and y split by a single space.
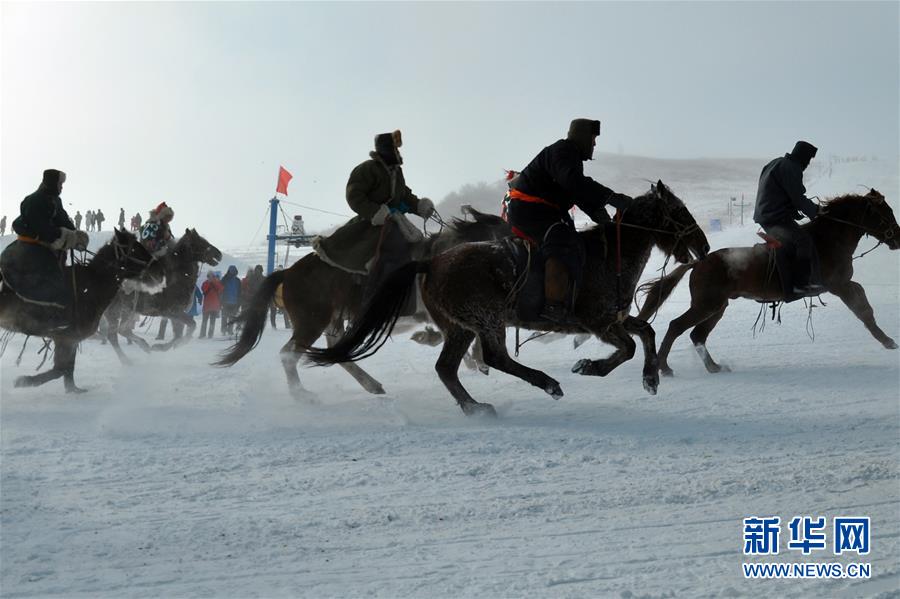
854 296
456 343
699 336
112 335
493 343
646 334
66 353
692 317
353 369
289 358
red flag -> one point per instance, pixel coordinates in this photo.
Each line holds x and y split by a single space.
284 178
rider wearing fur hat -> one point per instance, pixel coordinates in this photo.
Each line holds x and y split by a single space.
32 265
540 198
377 193
156 235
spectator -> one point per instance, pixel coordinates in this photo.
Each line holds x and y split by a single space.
138 220
3 225
88 221
98 219
77 220
212 291
231 299
121 218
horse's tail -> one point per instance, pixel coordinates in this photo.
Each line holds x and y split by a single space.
658 291
254 318
371 329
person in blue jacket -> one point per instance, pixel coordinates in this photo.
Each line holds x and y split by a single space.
231 299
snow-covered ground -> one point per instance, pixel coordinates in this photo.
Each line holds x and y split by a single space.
172 478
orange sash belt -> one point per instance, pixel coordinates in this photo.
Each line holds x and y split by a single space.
26 239
524 197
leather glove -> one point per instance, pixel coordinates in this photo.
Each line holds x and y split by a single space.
426 208
66 240
382 213
81 241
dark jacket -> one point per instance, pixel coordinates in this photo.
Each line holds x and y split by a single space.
557 175
231 292
370 185
42 215
781 193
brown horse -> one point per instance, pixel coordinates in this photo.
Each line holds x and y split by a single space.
470 291
98 281
318 297
748 272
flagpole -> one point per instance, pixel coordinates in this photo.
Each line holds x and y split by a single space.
273 220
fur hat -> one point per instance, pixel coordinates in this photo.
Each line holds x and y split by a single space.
386 145
163 212
582 132
53 177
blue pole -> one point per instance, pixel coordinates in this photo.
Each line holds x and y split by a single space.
270 264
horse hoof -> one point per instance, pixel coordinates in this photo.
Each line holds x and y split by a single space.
23 381
890 344
485 370
651 384
581 366
666 371
479 409
75 389
376 389
554 390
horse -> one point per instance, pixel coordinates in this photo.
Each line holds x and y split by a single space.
470 291
749 272
98 281
181 266
318 298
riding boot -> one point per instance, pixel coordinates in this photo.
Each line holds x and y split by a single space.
556 291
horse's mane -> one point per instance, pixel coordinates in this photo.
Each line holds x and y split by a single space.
471 229
844 200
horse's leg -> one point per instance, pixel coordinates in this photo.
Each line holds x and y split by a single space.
289 358
67 351
692 317
353 369
647 335
478 357
699 335
112 335
61 360
854 296
616 335
493 343
456 343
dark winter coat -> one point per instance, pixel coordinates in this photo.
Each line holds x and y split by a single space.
557 175
781 195
370 185
42 215
231 292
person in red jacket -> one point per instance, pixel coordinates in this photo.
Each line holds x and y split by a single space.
212 292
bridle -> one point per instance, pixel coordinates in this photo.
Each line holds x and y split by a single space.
886 234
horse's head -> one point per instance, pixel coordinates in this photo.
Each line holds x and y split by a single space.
677 233
870 213
200 248
133 260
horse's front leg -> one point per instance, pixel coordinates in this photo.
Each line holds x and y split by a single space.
647 335
854 296
614 333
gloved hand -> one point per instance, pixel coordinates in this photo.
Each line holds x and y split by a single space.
81 241
426 208
66 240
382 213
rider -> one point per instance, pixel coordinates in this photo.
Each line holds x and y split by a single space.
379 239
780 201
32 265
540 199
156 235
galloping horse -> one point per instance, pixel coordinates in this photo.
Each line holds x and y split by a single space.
98 281
319 297
748 272
181 266
469 291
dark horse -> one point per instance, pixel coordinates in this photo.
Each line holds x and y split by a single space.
749 272
181 266
470 291
97 281
319 297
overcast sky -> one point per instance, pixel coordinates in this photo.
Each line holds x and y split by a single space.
197 104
